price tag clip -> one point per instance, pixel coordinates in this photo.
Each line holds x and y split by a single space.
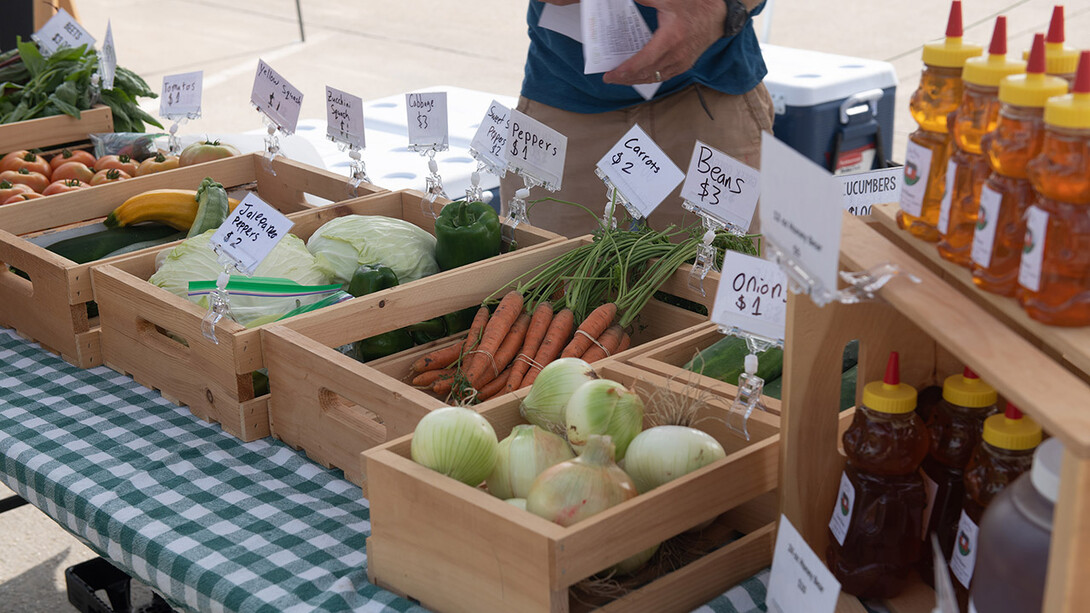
614 196
433 185
272 142
862 286
219 302
750 386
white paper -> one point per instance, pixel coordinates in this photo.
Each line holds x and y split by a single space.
641 170
947 197
841 519
613 31
963 557
930 488
279 100
181 95
250 232
62 30
426 114
917 168
801 210
344 117
1033 250
721 186
107 59
536 149
799 580
489 143
866 189
987 222
752 296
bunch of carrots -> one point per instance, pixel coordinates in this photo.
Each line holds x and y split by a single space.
506 350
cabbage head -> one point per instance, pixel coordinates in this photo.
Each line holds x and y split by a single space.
194 260
343 244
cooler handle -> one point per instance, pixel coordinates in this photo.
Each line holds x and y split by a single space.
869 97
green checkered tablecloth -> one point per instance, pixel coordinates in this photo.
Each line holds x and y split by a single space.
210 522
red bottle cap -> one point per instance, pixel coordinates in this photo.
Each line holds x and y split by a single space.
953 25
969 374
1012 412
1056 26
893 366
890 395
1082 80
1037 55
998 45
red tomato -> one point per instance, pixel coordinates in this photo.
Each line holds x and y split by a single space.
120 162
63 185
21 198
9 189
25 159
109 175
73 170
35 180
79 155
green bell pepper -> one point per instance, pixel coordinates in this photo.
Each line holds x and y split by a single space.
428 330
371 278
466 232
459 321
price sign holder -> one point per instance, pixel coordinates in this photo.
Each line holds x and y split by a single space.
489 143
173 88
428 143
637 174
253 218
533 136
349 138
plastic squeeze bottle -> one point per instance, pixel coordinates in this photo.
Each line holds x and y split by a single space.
939 93
1060 61
1055 269
967 169
1015 535
998 237
1005 452
877 516
955 428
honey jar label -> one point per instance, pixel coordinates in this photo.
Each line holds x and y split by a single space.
842 510
1033 249
963 558
947 197
987 221
917 170
930 488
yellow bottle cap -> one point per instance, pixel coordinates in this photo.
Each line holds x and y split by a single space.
1034 88
1059 60
968 390
990 70
1073 110
890 395
952 51
1012 430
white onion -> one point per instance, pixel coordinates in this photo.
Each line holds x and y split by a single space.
517 502
457 442
549 394
522 456
664 453
577 489
604 407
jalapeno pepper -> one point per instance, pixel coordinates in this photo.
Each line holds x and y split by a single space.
466 232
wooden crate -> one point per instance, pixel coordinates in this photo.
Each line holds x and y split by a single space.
216 380
453 547
51 307
334 407
937 329
56 130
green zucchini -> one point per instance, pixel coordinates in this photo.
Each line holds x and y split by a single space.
212 208
155 242
91 247
725 361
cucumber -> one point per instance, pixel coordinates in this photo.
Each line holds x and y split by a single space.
91 247
212 208
725 361
774 388
145 244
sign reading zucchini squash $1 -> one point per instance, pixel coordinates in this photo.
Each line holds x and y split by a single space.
276 98
640 170
536 150
752 296
344 118
250 233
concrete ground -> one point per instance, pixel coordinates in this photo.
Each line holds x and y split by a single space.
379 48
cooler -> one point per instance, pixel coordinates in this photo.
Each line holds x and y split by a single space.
834 109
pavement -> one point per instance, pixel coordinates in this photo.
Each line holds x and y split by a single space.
375 49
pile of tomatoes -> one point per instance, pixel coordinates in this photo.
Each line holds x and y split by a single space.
25 175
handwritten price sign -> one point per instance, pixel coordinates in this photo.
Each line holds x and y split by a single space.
62 30
279 100
250 232
752 296
344 117
641 170
181 95
536 150
489 143
721 187
427 117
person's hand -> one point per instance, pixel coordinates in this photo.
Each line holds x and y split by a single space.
686 29
560 2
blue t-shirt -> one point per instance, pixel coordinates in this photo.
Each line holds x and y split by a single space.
554 68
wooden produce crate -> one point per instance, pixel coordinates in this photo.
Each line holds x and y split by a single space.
56 130
216 380
51 307
937 329
334 407
454 547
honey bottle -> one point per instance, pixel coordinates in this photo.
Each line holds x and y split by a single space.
955 429
1055 270
1060 60
877 515
967 169
1004 453
998 236
938 94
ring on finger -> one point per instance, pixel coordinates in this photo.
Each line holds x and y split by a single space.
658 77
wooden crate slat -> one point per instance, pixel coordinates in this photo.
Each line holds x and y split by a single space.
55 130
